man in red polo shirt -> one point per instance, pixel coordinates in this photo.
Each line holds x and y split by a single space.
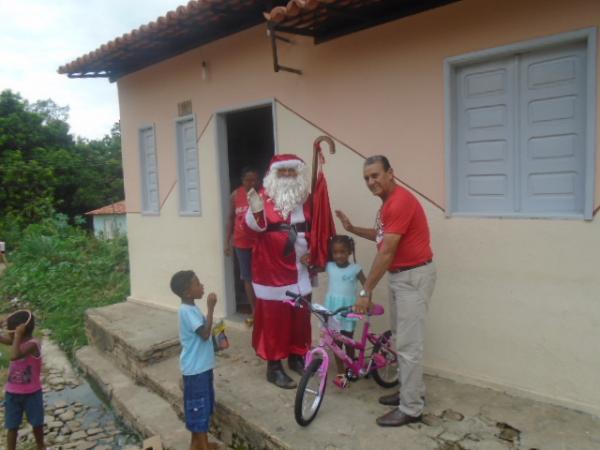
404 251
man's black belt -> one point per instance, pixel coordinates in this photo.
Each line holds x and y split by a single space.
404 269
292 231
301 227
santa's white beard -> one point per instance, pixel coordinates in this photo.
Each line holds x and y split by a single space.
287 193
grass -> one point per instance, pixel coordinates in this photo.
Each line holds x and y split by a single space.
3 377
4 360
59 271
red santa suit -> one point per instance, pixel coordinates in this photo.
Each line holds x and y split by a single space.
279 328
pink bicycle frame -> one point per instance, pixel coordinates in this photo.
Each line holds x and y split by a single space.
334 341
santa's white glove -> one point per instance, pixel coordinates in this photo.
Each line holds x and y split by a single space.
256 203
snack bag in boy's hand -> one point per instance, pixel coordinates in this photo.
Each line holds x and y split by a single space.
220 341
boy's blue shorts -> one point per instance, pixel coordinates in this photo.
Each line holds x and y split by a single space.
198 401
31 404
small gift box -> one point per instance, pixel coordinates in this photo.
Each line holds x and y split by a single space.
219 338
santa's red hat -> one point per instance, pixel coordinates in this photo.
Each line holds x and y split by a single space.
285 161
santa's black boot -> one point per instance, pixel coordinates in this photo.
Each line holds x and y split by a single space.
277 376
296 363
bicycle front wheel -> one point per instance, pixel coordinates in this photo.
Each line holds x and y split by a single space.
310 393
385 370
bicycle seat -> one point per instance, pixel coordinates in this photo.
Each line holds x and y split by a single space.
319 308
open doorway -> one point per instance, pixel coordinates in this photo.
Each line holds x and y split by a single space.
249 135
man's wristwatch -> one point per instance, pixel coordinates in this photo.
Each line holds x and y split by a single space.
364 293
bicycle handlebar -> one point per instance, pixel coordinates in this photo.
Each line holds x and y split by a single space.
298 298
293 295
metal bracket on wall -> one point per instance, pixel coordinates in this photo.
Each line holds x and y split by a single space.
274 37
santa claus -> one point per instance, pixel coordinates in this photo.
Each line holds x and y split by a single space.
281 216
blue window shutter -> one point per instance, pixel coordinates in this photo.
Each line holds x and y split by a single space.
149 171
552 130
519 145
189 176
484 174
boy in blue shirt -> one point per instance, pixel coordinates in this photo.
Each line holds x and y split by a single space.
197 358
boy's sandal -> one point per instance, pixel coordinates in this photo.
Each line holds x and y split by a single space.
341 380
249 322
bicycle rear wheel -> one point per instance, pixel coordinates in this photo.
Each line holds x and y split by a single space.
310 393
385 375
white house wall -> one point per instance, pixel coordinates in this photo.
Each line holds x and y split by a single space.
517 306
161 245
108 225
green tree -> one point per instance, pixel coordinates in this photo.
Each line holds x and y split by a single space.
25 127
27 194
103 184
43 168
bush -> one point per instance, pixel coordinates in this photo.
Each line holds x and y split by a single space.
61 270
10 231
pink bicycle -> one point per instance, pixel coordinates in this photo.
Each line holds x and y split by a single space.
376 357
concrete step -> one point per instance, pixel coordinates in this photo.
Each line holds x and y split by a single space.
232 422
253 414
140 408
163 378
132 335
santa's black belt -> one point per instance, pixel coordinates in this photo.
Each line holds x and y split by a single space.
292 231
301 227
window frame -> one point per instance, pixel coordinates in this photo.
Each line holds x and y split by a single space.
181 170
452 64
143 172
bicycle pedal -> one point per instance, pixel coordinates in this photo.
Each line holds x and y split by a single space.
351 377
341 384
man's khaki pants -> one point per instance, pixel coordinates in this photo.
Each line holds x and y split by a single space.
410 292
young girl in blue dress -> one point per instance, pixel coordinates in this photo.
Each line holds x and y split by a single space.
343 282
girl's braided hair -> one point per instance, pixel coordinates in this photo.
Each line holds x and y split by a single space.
344 240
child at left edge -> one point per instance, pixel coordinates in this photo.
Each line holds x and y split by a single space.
23 391
197 358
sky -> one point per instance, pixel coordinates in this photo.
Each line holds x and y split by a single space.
38 36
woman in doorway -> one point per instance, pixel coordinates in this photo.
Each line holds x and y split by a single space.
243 237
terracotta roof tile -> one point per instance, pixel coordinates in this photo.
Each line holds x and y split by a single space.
115 208
195 14
296 8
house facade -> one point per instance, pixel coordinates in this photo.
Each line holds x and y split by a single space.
487 111
110 220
